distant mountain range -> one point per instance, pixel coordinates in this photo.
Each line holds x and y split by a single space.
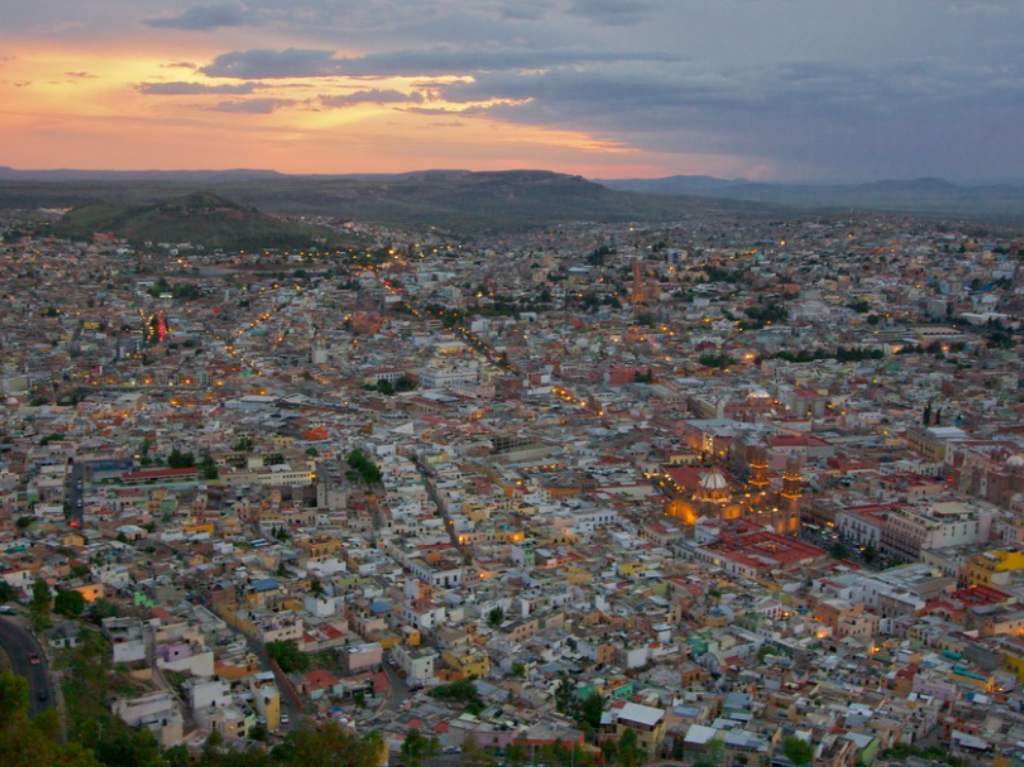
500 201
921 195
199 218
453 200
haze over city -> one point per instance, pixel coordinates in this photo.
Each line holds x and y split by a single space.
774 89
512 383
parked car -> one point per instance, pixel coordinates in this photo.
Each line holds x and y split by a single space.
34 659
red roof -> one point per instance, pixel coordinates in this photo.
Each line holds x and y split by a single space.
141 476
765 550
796 440
977 596
319 679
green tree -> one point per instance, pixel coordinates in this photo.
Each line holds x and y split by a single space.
39 606
495 617
630 754
712 755
417 747
288 656
179 460
565 696
797 750
208 468
70 603
839 550
315 587
590 711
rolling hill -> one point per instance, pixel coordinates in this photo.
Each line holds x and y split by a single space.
451 200
200 218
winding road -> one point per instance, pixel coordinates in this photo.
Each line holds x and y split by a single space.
19 644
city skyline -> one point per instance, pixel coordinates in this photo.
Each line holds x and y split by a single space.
773 90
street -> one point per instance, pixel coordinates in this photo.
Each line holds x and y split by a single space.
19 644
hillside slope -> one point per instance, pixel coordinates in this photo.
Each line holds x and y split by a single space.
200 218
450 200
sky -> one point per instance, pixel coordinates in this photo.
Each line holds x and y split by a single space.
808 90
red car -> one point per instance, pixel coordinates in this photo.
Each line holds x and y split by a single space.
33 659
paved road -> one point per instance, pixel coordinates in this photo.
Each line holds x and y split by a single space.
19 644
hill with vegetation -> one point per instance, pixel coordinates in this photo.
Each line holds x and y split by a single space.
200 218
449 200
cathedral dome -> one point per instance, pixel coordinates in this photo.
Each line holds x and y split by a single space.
713 480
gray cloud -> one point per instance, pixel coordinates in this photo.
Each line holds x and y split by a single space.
613 12
253 106
260 64
191 89
371 96
200 17
81 75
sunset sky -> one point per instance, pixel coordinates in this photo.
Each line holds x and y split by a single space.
768 89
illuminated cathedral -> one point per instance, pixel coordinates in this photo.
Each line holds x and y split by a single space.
712 496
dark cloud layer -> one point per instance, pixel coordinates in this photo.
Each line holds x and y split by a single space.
308 62
371 96
191 89
804 87
200 17
254 106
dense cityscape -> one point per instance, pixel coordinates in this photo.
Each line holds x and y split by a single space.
735 491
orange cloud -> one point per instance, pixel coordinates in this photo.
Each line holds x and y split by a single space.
112 106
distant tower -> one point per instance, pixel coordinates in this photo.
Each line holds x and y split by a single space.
792 491
638 294
758 468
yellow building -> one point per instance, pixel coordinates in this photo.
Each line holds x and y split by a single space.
467 662
647 722
992 568
267 700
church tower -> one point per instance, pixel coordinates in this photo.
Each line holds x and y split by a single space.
758 470
792 491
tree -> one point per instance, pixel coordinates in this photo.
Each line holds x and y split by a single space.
243 444
208 468
870 553
288 656
70 603
179 460
797 750
315 587
519 670
39 606
25 521
630 754
361 467
591 710
495 617
712 756
839 550
565 695
417 747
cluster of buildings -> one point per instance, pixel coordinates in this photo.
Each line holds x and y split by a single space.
755 485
